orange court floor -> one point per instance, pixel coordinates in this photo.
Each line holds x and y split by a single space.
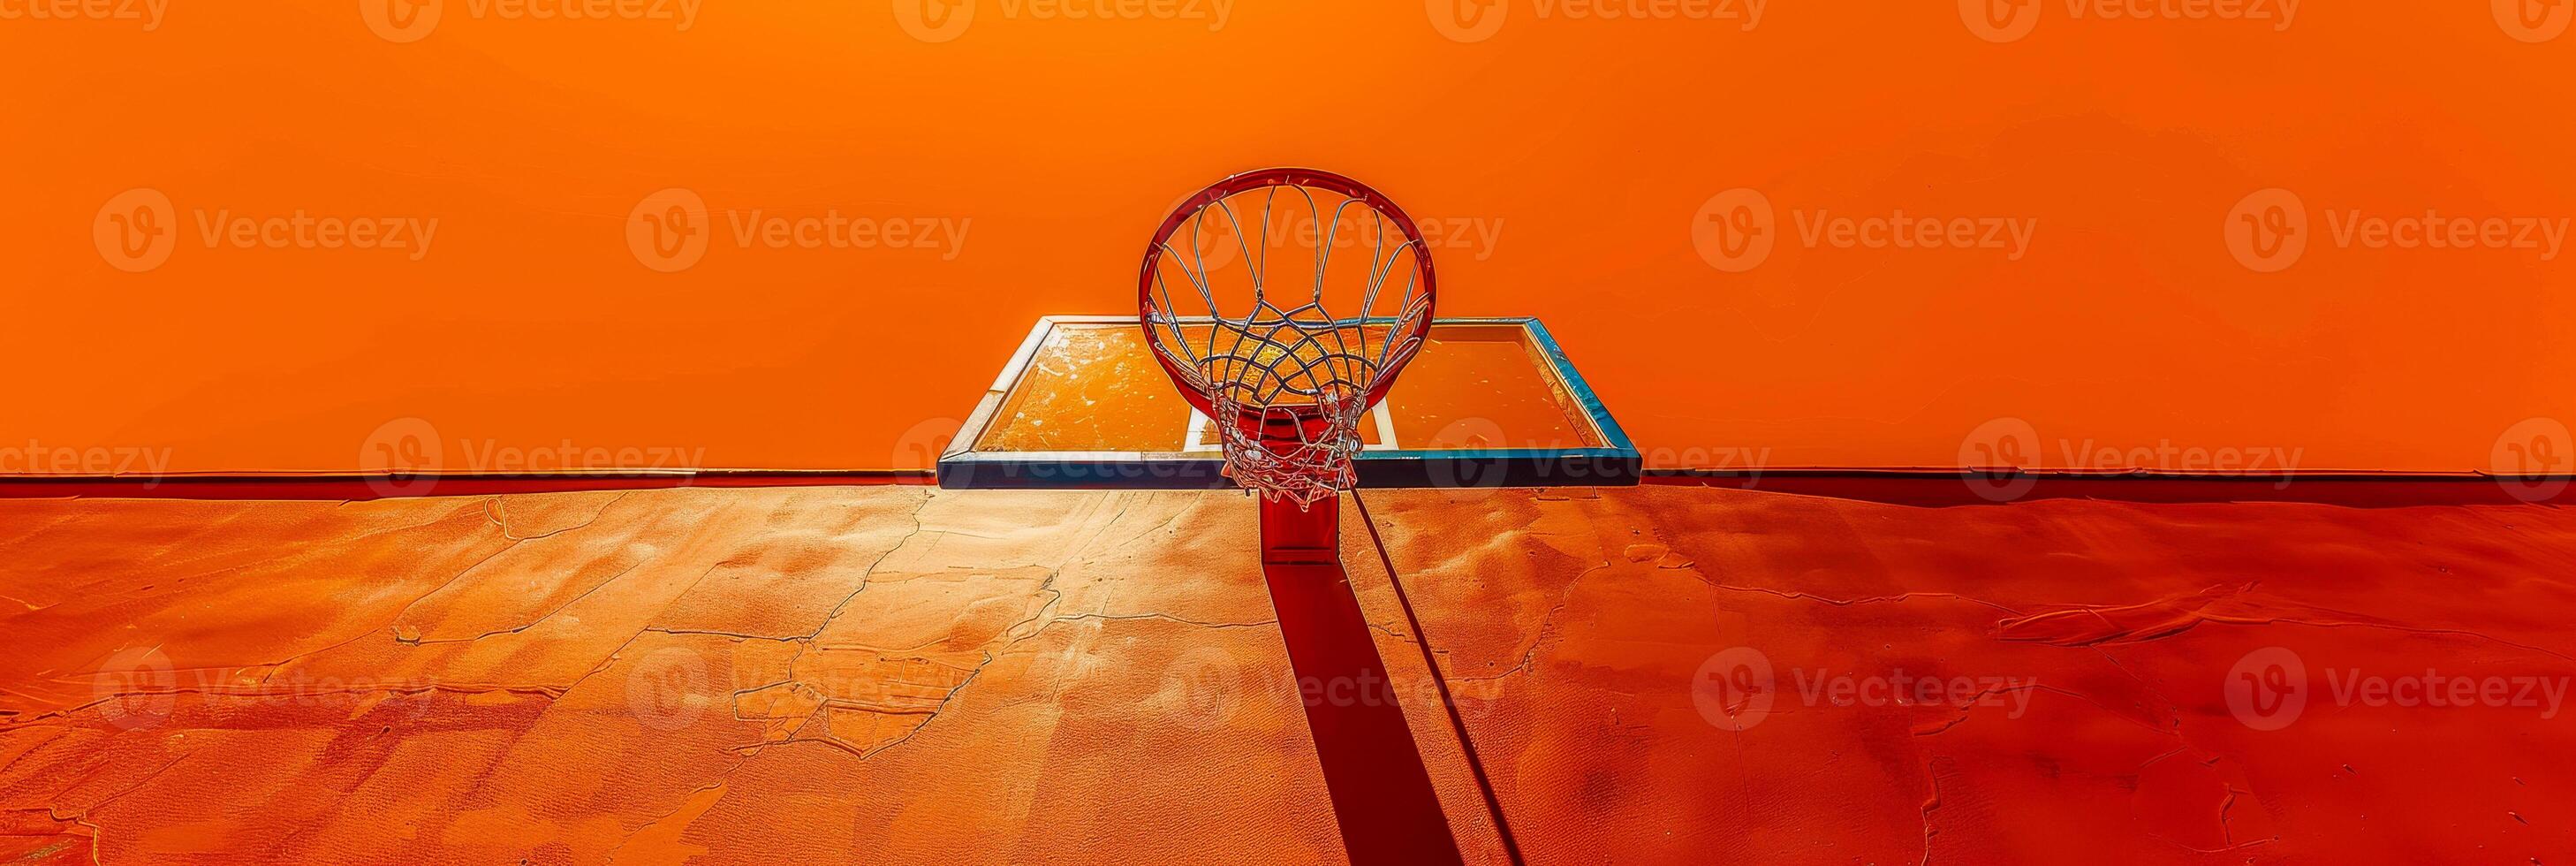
895 674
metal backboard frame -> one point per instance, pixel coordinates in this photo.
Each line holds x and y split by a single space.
1615 463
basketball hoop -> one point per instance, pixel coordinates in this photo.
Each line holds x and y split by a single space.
1286 353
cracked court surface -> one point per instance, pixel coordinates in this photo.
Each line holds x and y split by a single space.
905 675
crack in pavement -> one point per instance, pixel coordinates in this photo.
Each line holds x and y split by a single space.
1847 602
304 549
97 832
639 634
2174 615
1931 802
496 509
2183 745
1538 638
540 620
927 717
259 691
736 635
1009 637
805 644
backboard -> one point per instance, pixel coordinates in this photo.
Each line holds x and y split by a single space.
1487 403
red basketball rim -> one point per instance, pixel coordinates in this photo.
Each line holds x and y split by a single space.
1276 177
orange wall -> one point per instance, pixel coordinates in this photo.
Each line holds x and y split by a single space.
1588 147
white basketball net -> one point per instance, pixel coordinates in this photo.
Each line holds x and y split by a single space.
1281 340
1316 467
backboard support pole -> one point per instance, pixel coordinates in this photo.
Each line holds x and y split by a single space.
1382 795
1291 535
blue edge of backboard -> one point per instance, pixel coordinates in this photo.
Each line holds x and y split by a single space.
1616 464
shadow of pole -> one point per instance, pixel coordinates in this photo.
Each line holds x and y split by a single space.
1382 794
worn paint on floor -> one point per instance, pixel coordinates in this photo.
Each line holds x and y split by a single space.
896 674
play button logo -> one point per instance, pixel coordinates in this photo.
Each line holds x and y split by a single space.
1999 20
